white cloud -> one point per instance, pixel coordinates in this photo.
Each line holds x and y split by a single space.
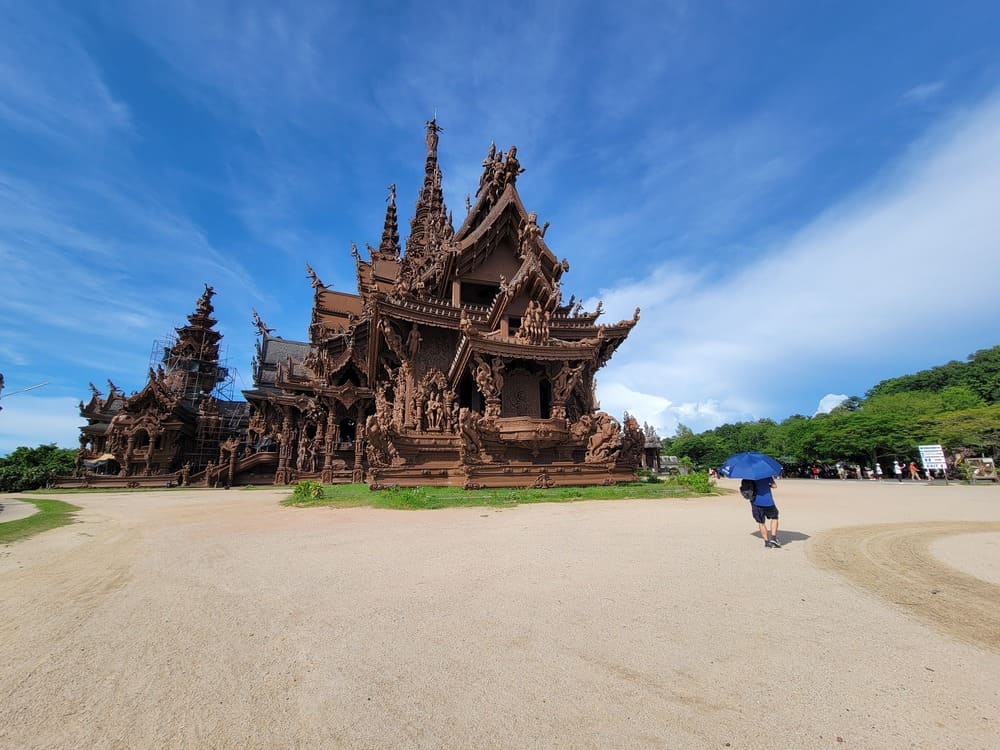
924 91
51 86
897 267
33 420
829 402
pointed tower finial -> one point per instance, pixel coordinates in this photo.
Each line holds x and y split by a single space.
432 135
390 231
430 209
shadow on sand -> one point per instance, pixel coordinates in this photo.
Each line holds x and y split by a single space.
785 537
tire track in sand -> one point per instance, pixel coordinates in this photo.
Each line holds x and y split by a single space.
894 562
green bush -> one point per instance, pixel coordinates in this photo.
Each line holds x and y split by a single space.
696 482
307 490
31 468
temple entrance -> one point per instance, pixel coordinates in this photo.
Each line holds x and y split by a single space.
468 395
348 430
525 394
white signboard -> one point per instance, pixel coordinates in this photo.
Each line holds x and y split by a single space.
932 457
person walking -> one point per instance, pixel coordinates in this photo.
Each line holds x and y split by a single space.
763 509
914 472
878 471
897 470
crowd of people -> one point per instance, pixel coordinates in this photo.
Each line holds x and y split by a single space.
900 470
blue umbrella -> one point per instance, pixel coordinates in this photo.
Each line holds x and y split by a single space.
750 465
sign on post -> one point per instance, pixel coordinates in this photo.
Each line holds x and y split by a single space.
932 457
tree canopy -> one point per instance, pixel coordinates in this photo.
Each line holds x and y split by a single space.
956 405
31 468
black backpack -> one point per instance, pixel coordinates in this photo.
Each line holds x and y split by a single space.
748 488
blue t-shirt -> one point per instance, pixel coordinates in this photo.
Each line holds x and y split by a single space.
763 492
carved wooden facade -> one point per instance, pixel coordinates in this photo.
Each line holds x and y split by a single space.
173 430
456 362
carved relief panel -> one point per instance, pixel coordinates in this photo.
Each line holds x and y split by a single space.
521 395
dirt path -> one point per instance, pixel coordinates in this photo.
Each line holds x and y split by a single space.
894 561
12 510
221 619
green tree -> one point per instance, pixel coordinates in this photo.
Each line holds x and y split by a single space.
705 450
31 468
980 374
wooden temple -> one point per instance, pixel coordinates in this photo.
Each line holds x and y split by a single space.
456 362
174 429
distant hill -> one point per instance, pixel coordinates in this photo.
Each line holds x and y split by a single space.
980 373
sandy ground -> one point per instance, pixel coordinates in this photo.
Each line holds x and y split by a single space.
12 509
220 619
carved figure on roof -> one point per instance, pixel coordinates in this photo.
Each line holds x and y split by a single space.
531 234
432 134
498 176
112 388
392 193
93 389
316 283
488 162
205 301
259 324
468 204
512 168
534 325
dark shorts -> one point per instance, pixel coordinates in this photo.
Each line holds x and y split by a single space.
760 512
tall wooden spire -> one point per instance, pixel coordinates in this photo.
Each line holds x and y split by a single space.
430 223
390 231
193 359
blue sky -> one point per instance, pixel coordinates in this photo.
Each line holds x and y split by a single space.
802 197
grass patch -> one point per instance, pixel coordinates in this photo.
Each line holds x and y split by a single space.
51 514
430 498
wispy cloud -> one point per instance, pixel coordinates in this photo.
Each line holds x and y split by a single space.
49 83
924 91
891 269
97 265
